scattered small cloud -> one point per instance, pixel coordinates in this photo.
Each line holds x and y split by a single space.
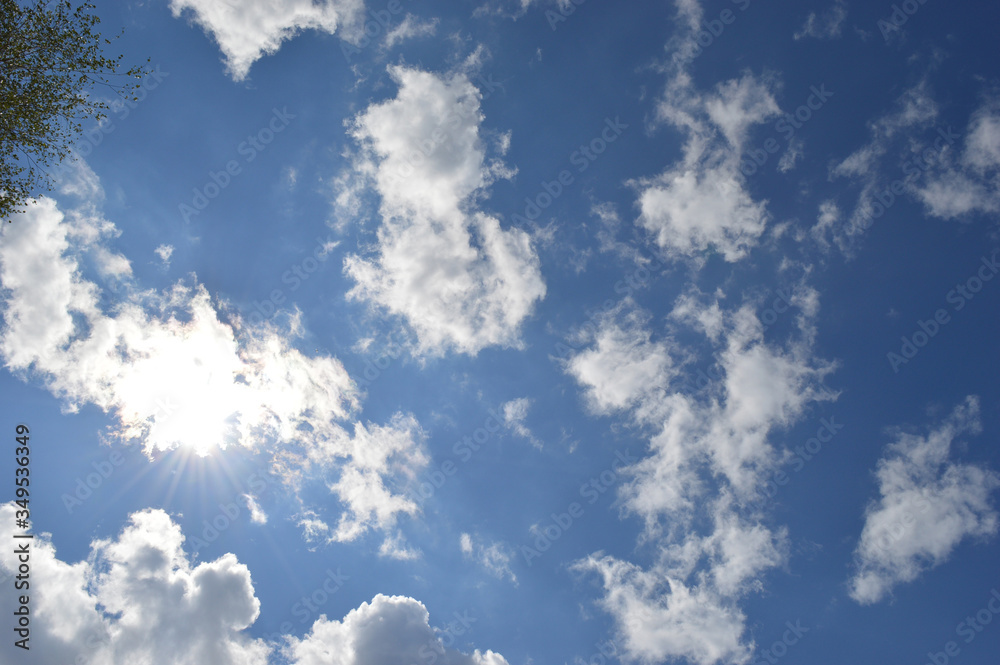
826 25
494 557
514 413
165 252
257 515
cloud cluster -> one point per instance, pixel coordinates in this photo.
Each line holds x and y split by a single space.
249 29
708 452
928 505
134 598
137 598
459 279
954 174
710 449
176 369
387 631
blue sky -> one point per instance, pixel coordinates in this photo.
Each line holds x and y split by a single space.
517 332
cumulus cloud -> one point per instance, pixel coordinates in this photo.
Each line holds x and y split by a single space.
692 210
458 278
982 145
377 452
132 597
702 202
622 366
663 618
928 505
387 631
246 31
177 369
709 451
137 598
166 363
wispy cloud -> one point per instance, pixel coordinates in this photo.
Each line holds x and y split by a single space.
494 557
826 25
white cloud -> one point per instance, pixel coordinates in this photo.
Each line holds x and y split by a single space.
394 547
972 182
907 124
453 273
829 215
691 210
915 109
763 387
377 452
514 414
388 631
511 9
172 371
791 155
824 26
249 29
702 202
165 252
953 194
738 104
257 514
623 366
409 28
137 598
982 145
176 369
928 505
131 598
662 617
494 557
685 604
313 528
709 451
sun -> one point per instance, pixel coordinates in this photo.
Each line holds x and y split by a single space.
185 402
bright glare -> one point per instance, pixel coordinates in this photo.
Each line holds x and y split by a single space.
184 391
